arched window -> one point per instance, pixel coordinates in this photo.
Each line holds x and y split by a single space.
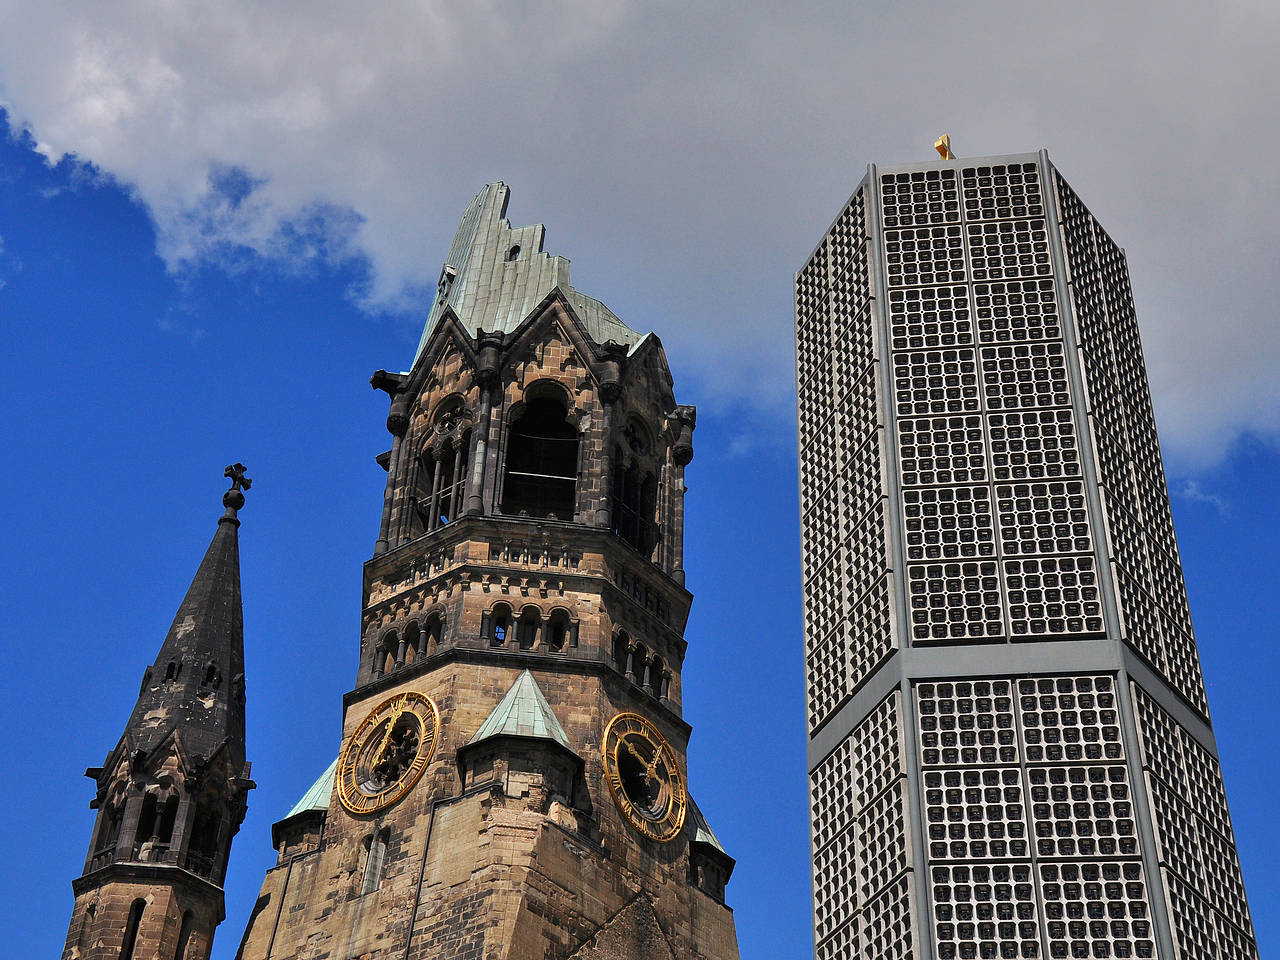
639 664
147 823
558 631
202 852
412 643
384 655
375 857
211 679
184 935
621 646
86 928
542 462
498 628
527 628
432 631
655 676
635 501
110 831
131 929
173 669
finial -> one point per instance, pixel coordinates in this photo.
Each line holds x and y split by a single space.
943 146
233 499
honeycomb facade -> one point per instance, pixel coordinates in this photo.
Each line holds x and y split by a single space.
1010 751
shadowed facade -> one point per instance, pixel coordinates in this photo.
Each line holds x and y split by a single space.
172 793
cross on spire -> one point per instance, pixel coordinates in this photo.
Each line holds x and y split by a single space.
233 499
235 473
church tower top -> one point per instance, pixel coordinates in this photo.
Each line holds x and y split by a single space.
496 274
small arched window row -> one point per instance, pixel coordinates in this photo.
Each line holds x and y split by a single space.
641 666
527 629
403 644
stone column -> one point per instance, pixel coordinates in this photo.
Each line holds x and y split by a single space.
433 517
181 828
129 827
397 424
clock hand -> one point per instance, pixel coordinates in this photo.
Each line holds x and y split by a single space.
386 737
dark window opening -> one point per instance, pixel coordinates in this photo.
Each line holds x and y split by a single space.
146 821
202 854
173 669
513 252
412 643
499 625
384 655
527 629
635 501
212 679
432 633
621 645
86 927
375 857
131 929
558 631
655 676
542 463
155 828
110 831
184 935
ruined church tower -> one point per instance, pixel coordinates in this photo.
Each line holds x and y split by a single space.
511 780
171 793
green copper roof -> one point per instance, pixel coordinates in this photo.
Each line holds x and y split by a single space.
497 274
317 798
702 830
523 712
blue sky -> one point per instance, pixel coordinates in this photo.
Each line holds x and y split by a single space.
128 390
246 242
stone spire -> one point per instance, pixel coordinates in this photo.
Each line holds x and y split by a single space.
196 685
172 793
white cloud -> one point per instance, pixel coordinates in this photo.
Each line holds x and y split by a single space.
689 156
1191 491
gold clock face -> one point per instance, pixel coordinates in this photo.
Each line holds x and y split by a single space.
388 752
644 778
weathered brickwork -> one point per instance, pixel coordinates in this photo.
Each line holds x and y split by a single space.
496 556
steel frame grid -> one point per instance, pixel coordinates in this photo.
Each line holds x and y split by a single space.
1059 658
1006 366
1068 657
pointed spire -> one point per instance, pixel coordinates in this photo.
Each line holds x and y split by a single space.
523 712
196 685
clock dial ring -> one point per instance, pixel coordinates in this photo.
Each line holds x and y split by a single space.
388 752
644 777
